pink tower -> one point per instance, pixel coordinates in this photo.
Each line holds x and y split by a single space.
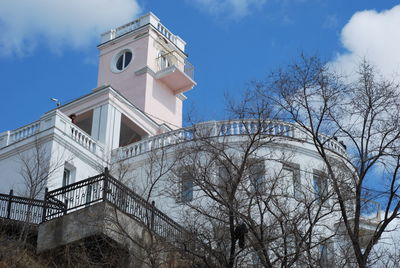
147 64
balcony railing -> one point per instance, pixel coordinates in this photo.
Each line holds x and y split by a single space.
100 188
170 59
54 121
105 188
83 138
25 209
221 129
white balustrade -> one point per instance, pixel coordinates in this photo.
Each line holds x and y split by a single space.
220 129
131 26
166 33
52 121
126 28
209 129
25 132
82 138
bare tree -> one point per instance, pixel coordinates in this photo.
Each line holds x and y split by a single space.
146 179
365 115
38 166
238 198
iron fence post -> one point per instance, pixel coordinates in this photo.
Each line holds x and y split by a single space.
65 207
46 190
9 203
153 204
105 186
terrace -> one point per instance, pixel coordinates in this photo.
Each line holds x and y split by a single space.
71 207
223 129
53 122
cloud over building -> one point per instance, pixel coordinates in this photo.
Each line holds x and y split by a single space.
372 35
72 23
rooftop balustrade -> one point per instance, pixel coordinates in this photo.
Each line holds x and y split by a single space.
149 18
24 132
222 129
54 120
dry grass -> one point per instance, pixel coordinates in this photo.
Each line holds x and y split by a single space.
12 254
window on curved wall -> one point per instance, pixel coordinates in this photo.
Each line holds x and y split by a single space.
257 175
185 176
187 185
320 186
292 172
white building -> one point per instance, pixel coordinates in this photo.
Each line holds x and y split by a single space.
135 109
143 73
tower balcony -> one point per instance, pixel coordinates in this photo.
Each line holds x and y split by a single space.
177 74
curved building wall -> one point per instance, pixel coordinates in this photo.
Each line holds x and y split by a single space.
291 163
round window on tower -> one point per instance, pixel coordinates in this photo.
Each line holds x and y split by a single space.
121 60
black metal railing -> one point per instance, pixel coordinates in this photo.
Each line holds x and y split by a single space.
75 196
25 209
105 188
100 188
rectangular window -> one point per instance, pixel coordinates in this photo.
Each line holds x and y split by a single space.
257 176
255 258
292 171
224 180
324 248
223 177
66 177
320 186
187 185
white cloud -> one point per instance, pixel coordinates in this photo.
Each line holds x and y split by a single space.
60 23
230 8
372 35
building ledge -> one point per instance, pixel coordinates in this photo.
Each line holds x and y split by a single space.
175 79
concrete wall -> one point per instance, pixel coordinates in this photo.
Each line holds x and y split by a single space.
102 220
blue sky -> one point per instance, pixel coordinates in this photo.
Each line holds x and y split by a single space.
48 47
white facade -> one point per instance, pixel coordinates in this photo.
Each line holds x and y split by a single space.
142 100
136 114
122 122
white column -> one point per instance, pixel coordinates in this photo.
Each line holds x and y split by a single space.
106 125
